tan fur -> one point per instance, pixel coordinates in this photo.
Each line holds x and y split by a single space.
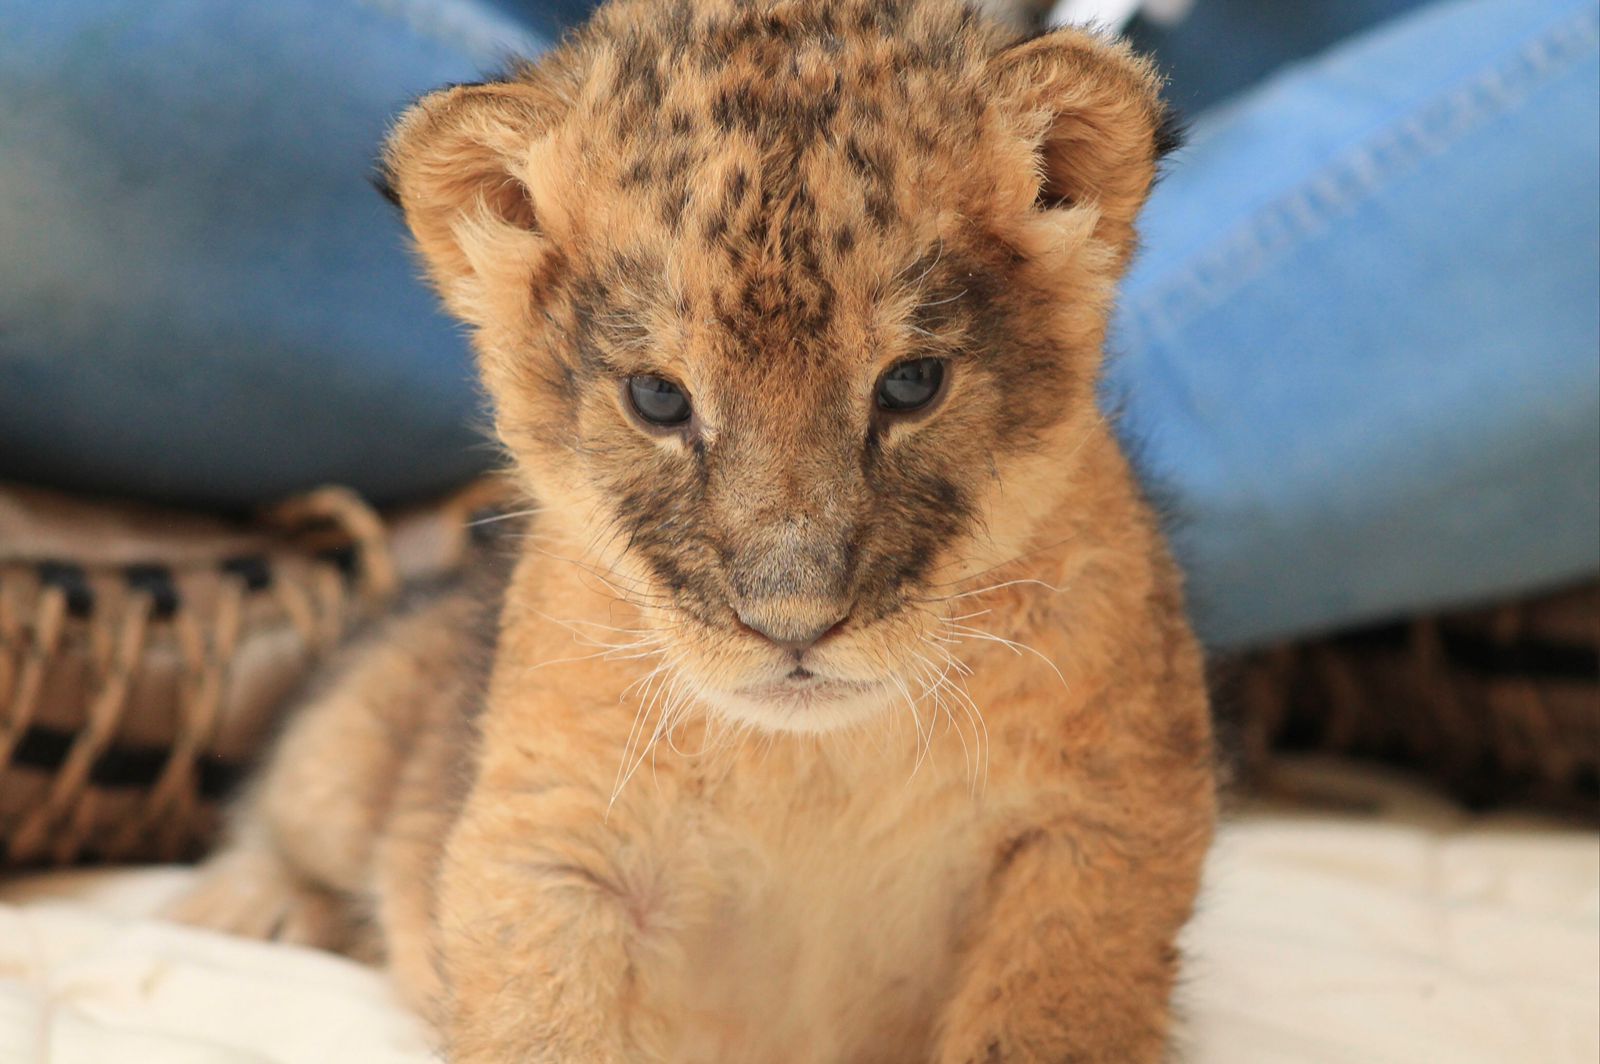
973 834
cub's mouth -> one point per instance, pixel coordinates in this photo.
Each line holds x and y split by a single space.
804 701
803 686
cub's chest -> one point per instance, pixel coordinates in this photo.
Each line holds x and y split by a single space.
833 931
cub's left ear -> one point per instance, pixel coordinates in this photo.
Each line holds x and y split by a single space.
1092 114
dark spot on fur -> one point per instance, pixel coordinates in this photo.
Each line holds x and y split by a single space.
737 108
716 228
881 210
738 185
1013 848
676 166
672 207
872 165
638 175
565 383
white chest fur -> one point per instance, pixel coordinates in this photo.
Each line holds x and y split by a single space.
836 927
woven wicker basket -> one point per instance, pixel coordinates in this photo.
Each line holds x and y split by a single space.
1497 705
144 654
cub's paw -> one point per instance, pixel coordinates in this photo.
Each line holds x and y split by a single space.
255 895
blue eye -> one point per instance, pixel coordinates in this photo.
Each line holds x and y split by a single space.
910 386
658 400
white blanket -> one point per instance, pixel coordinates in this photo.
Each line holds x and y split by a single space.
1402 932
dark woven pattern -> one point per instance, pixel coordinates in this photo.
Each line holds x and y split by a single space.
1498 705
133 694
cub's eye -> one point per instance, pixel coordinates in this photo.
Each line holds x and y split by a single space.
910 385
658 400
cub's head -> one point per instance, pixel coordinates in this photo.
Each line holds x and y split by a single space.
791 313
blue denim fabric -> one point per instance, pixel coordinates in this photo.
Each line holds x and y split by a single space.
1361 352
1222 47
202 299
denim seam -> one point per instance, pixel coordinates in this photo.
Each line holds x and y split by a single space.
1424 133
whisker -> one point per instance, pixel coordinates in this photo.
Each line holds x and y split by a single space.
980 727
493 519
975 717
611 653
969 616
1020 581
942 302
1011 644
649 695
933 670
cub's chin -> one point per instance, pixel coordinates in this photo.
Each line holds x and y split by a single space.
809 704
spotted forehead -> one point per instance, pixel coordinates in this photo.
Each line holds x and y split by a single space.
717 241
772 173
734 121
782 69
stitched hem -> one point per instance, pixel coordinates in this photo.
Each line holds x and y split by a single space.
1211 278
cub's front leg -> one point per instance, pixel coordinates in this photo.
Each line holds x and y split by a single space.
1074 959
548 921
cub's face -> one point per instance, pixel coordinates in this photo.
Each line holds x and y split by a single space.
791 315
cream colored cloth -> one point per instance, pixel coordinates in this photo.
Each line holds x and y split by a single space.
1397 929
1406 932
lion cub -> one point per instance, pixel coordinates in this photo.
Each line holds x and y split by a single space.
841 706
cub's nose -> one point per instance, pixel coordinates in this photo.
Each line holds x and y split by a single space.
796 634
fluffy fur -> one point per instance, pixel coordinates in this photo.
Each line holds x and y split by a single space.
965 826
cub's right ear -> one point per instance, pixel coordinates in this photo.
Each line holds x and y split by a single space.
458 163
